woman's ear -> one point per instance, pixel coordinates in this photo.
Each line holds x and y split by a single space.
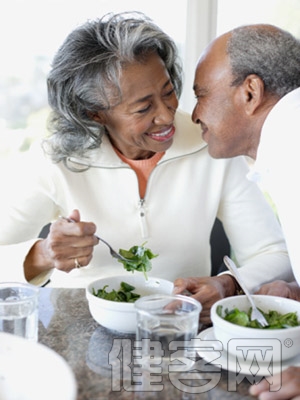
98 117
253 93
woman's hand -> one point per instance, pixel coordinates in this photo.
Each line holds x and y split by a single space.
290 290
288 381
67 246
207 291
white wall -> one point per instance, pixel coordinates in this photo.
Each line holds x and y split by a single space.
201 25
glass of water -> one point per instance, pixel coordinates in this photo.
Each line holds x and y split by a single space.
19 309
166 327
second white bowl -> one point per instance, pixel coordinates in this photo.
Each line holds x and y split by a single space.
288 339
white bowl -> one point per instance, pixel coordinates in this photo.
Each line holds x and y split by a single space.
285 343
27 369
118 316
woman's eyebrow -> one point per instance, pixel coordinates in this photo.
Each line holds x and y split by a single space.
147 97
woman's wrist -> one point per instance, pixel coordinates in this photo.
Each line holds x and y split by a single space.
36 262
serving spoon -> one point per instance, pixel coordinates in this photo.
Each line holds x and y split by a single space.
255 313
111 250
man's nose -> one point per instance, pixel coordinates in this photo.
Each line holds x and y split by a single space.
195 117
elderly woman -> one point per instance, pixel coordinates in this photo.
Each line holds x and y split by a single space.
123 162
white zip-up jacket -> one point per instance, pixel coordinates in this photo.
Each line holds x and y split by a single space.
186 191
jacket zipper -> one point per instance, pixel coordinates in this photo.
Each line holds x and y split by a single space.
142 216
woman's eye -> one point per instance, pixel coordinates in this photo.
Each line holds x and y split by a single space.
143 110
170 92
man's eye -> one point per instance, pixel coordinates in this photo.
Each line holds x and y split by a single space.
198 97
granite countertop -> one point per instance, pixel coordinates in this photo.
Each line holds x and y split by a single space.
67 327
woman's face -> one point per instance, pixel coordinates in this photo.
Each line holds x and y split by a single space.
142 123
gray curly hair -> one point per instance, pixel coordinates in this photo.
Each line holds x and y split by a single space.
84 78
267 51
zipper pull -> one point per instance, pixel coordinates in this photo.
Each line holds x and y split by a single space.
142 216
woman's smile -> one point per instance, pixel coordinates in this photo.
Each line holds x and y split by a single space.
163 135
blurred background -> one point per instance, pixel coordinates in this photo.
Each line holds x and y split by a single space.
32 30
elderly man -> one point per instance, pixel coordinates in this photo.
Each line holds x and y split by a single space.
247 85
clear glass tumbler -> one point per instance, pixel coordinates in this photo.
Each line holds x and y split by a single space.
19 309
166 327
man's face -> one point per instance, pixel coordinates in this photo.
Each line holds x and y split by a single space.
219 109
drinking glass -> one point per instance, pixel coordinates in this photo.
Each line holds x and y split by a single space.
166 327
19 309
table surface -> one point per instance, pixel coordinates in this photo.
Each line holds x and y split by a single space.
67 327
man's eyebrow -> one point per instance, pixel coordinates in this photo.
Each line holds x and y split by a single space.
199 90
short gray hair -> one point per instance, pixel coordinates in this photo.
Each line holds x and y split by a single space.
84 78
269 52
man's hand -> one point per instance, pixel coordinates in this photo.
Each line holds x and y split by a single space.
289 380
207 291
290 290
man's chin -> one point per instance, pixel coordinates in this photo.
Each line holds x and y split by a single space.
215 153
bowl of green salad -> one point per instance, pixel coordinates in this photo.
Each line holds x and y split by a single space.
233 327
111 299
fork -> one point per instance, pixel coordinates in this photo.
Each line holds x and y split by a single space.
255 313
111 250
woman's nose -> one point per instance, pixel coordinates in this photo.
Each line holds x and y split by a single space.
165 114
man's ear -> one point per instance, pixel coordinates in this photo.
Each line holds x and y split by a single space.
253 93
99 117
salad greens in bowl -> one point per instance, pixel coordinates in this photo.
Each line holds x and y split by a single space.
111 299
231 320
